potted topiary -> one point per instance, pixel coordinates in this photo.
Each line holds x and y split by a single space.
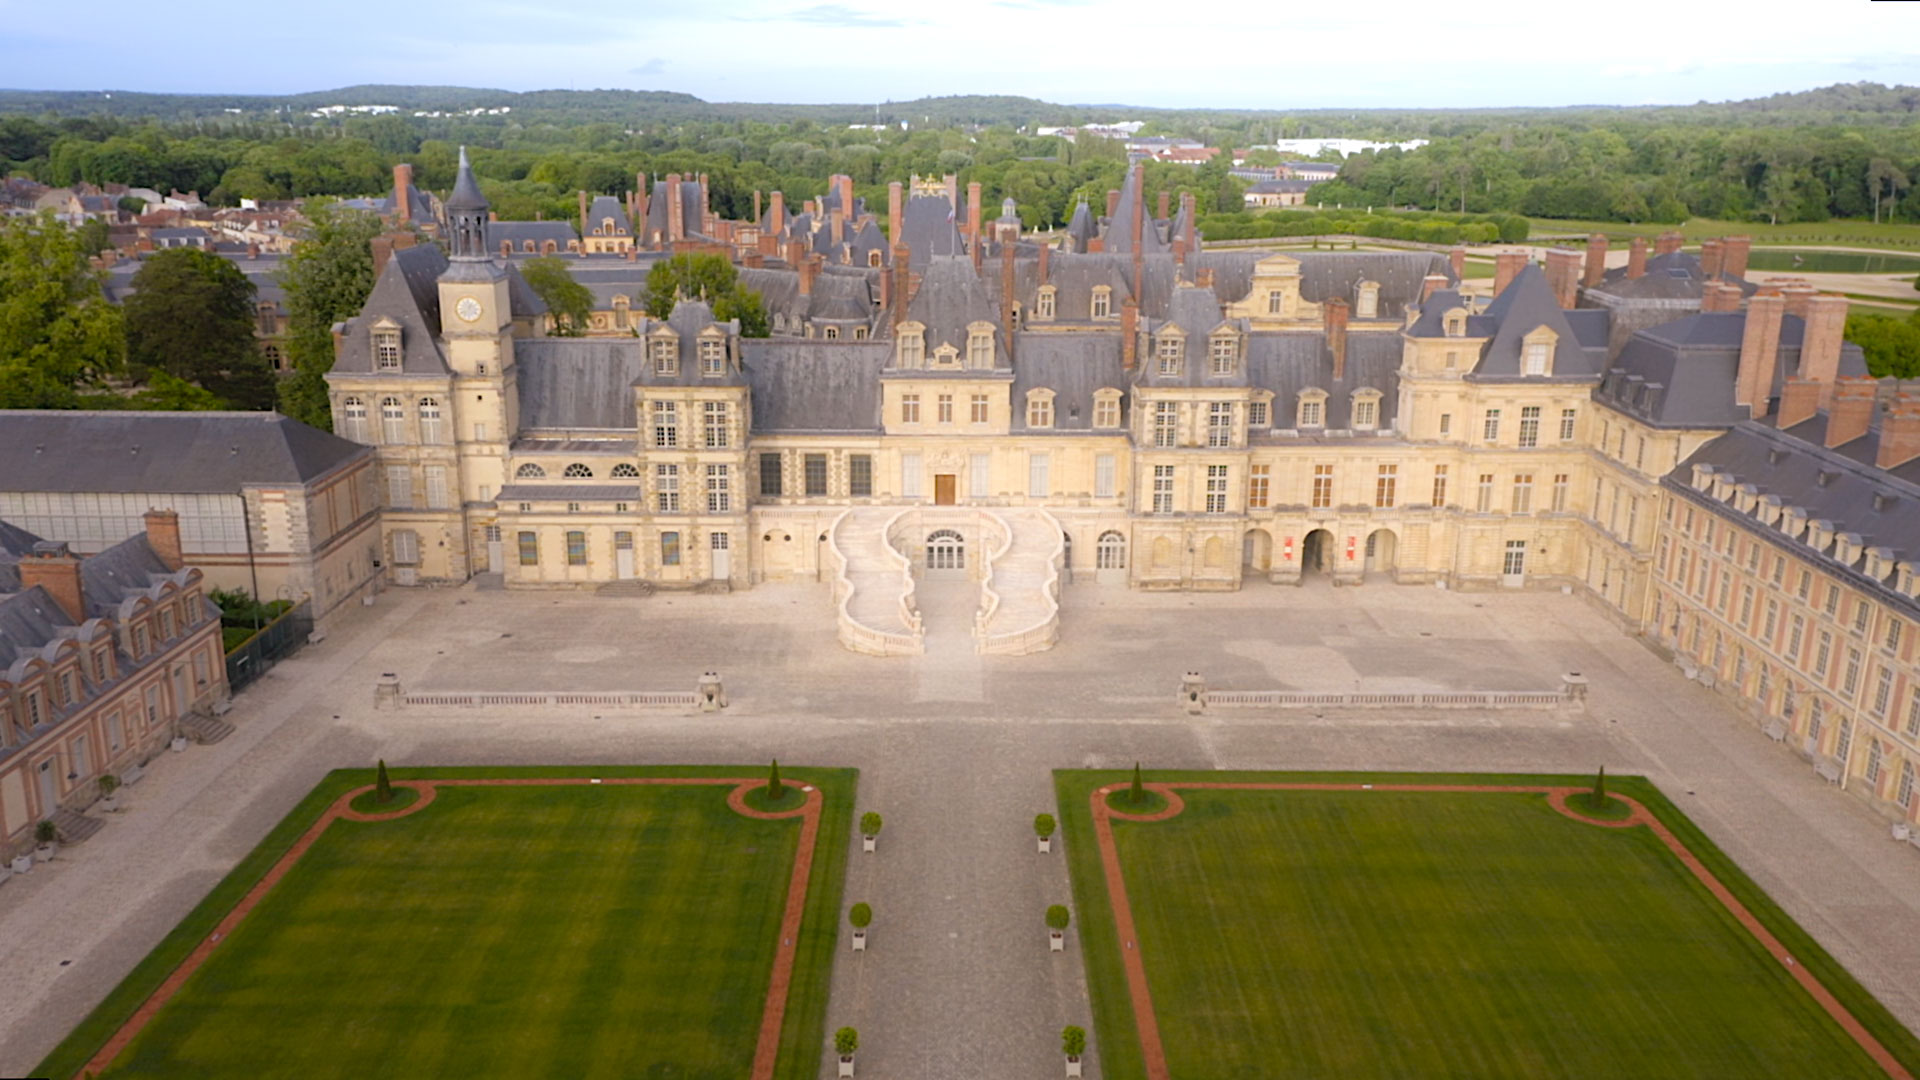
1057 919
869 830
861 916
845 1042
1043 826
46 833
1073 1040
109 792
23 863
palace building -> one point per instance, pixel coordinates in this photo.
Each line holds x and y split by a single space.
1700 453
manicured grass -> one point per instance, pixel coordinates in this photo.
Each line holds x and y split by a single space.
1427 934
1150 802
553 931
1844 233
368 802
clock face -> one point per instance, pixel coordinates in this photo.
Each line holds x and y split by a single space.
468 308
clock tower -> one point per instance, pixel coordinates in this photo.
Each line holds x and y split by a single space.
476 318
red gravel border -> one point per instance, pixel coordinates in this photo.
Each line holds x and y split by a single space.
1154 1052
773 1013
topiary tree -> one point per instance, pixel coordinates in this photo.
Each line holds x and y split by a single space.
109 783
1058 917
46 832
1043 825
860 915
870 824
775 789
1073 1040
382 787
846 1041
1599 797
1138 792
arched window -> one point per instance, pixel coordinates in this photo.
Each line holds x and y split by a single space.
393 420
1872 774
1904 794
625 471
1110 553
577 471
429 420
529 471
946 550
272 353
527 246
353 419
873 258
621 308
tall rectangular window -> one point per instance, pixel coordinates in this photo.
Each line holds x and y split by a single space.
1256 413
666 424
1522 493
1322 496
1259 486
1384 486
770 478
910 476
944 404
1216 489
1103 476
1483 498
1567 418
1446 424
666 488
715 415
1220 424
909 408
1163 489
1490 428
979 475
436 487
669 549
529 549
1822 656
1166 423
576 548
719 489
1560 486
977 409
399 485
1770 623
816 474
1039 483
860 475
1530 425
1439 485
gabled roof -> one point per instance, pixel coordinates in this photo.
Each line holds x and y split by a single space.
1082 229
1120 228
692 211
176 452
814 385
951 298
690 322
1074 367
1682 373
1289 364
930 231
1525 305
408 295
604 207
1196 313
519 232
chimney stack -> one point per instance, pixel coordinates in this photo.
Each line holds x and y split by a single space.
1851 411
1129 334
1335 312
640 209
1820 347
52 567
1507 266
1637 258
676 218
1712 254
1046 264
1733 256
1800 294
845 183
1563 276
403 191
837 226
1798 402
973 216
809 268
1113 203
1596 267
796 253
756 207
896 208
902 256
1900 431
1457 260
1759 346
1719 296
163 536
1431 284
1668 243
583 217
777 215
1162 214
1007 298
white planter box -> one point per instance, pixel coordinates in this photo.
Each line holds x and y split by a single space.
867 842
110 803
45 852
859 941
180 744
23 864
1902 831
1046 844
1056 941
846 1066
1073 1066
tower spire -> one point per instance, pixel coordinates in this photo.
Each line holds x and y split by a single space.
467 215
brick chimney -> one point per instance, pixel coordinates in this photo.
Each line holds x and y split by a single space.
1129 334
1162 207
383 247
1563 275
1507 266
1712 255
809 269
1820 348
896 210
1759 346
1113 203
583 217
777 215
640 208
1668 243
52 567
1596 266
902 255
403 191
1335 312
1733 256
837 227
1457 260
846 194
1431 284
1046 264
1182 241
1719 296
1637 258
973 216
1007 298
163 536
1799 401
796 254
1900 431
676 218
1799 293
1850 409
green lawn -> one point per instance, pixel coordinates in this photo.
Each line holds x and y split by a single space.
522 931
1845 233
1376 934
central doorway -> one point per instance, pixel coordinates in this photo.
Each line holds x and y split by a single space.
1316 553
946 553
943 484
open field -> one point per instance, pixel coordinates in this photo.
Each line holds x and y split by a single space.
508 924
1374 933
1840 232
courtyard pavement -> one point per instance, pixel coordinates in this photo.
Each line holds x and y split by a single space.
956 751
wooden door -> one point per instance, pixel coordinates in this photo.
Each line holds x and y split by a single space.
943 489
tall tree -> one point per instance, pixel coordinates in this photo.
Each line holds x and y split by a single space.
191 316
567 300
58 333
327 279
711 278
1884 178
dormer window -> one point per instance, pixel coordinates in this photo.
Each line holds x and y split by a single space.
386 348
1106 408
1260 409
979 346
1455 322
622 312
713 357
1039 408
1367 301
1043 303
1170 350
1223 353
1366 409
1313 409
910 351
873 258
946 356
666 355
1102 302
1536 353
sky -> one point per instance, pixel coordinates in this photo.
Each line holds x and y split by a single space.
1406 53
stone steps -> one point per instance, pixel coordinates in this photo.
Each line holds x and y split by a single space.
205 729
74 826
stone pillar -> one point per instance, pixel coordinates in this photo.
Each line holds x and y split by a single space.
386 691
713 693
1193 693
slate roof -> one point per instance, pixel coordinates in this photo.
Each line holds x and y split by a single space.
1120 228
1082 228
1675 275
174 452
1196 313
1280 187
692 219
569 493
604 207
815 385
927 222
408 293
466 190
1289 363
578 383
689 320
952 297
1682 373
1073 366
518 233
1524 306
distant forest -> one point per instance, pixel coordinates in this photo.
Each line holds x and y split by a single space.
1841 151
